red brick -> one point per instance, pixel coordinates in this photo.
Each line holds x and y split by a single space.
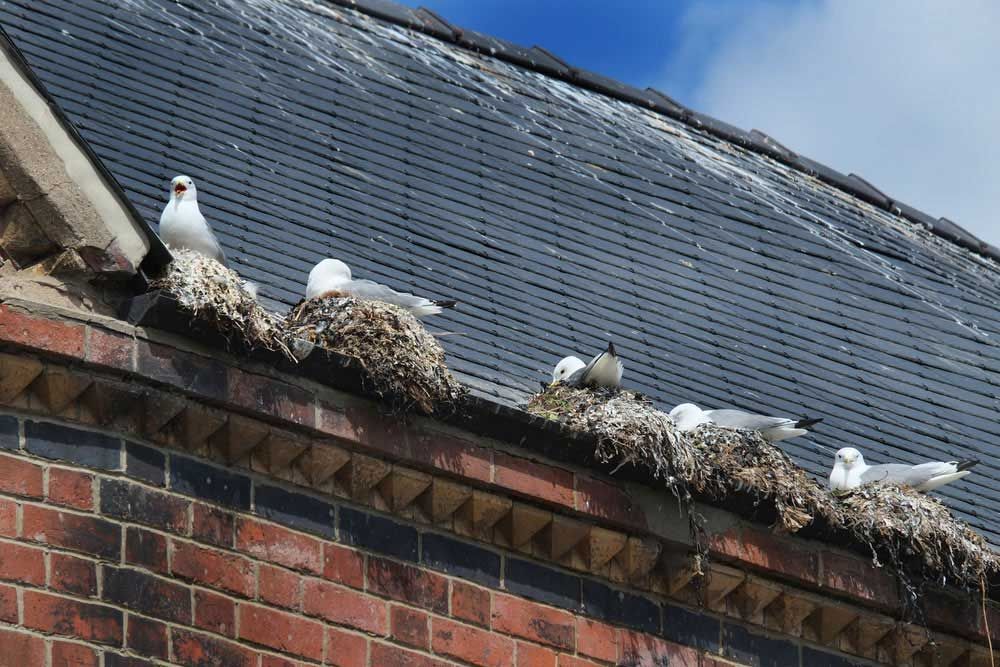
67 654
857 577
635 648
344 566
607 501
212 525
528 620
344 649
278 661
596 640
8 604
279 545
409 626
40 333
281 631
197 650
72 575
92 536
455 455
384 655
19 477
215 612
147 637
71 488
63 616
529 655
22 564
260 393
109 348
470 603
533 479
211 567
344 606
8 518
146 548
19 649
479 647
408 584
366 427
780 554
570 661
279 587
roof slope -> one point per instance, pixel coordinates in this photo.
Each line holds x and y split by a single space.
558 217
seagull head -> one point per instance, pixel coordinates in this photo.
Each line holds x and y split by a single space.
333 269
847 457
183 186
566 367
688 415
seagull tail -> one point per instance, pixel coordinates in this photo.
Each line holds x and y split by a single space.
451 303
965 465
251 288
806 423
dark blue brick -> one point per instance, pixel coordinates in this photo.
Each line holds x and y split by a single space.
461 559
378 534
691 628
813 658
209 483
145 463
295 509
129 501
545 584
55 441
8 432
619 607
756 650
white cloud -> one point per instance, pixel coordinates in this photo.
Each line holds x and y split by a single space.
903 93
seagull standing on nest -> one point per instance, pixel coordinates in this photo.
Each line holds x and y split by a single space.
688 416
850 471
331 277
183 226
604 370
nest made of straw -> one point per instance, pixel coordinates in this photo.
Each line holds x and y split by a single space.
900 523
218 296
403 362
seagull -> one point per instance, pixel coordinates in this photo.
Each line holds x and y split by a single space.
331 277
688 415
183 226
850 471
604 370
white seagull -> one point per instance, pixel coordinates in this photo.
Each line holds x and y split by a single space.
331 277
183 226
850 471
687 416
604 370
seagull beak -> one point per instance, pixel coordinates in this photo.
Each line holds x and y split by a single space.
179 189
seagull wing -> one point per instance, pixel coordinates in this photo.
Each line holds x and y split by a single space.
746 420
371 290
907 475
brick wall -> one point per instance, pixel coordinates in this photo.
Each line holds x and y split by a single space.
117 553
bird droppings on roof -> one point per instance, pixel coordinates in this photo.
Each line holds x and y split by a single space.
403 362
913 533
217 296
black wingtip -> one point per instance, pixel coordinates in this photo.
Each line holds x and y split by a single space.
806 423
965 465
611 349
451 303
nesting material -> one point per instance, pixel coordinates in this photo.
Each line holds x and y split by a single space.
899 524
218 296
403 362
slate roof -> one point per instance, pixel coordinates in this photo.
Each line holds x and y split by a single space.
558 216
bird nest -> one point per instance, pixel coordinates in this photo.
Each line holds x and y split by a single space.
403 364
900 524
216 295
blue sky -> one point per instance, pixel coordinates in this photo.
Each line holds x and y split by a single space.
893 90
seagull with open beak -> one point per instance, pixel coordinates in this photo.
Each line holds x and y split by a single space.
183 226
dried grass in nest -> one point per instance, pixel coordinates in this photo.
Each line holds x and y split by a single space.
403 362
217 295
901 523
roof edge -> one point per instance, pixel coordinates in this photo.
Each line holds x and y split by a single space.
542 61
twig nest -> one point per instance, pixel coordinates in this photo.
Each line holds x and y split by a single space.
218 296
404 364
